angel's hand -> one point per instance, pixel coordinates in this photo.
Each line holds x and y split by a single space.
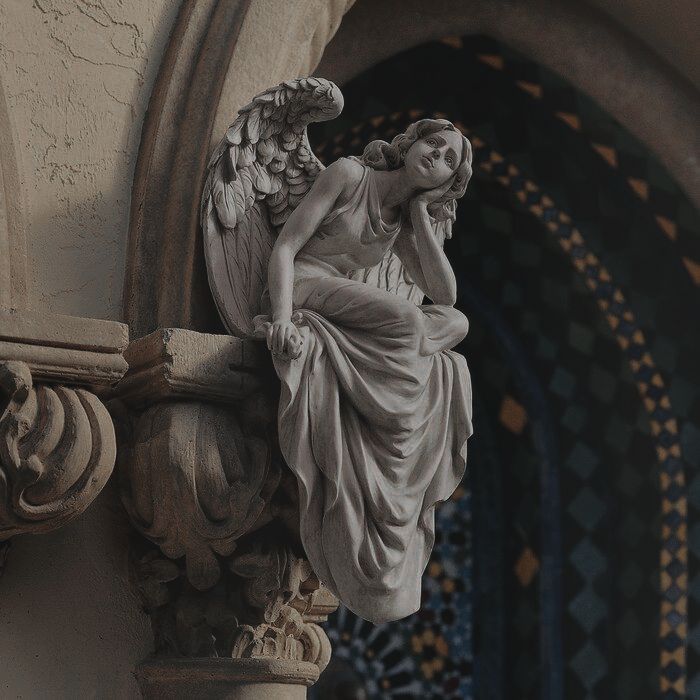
283 339
430 196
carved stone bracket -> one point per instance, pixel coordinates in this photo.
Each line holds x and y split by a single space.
221 571
57 442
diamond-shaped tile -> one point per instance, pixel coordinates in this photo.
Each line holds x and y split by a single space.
629 481
582 460
587 509
588 559
602 384
563 383
588 609
574 418
589 664
632 528
628 629
581 337
630 579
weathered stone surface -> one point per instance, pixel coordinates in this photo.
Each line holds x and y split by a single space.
57 442
193 482
173 363
57 450
64 349
225 679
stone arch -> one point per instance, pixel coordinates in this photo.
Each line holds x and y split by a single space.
652 101
13 248
219 56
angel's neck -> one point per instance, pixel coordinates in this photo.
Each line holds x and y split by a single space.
393 187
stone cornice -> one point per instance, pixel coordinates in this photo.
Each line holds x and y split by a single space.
57 442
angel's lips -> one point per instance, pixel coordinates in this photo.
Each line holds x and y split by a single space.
427 162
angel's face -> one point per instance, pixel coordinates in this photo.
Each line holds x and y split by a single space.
433 159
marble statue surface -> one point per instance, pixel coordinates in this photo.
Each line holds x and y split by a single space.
330 266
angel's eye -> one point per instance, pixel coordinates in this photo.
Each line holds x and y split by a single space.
431 142
449 161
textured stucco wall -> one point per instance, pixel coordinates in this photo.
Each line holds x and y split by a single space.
77 76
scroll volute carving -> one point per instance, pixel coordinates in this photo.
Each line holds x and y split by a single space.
57 450
193 482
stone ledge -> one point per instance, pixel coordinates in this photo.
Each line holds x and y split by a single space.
64 349
177 363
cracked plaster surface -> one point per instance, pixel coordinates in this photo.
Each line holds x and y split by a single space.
77 76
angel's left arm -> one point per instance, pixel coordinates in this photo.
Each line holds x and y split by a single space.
421 253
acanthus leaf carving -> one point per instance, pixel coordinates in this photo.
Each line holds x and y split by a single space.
193 483
279 586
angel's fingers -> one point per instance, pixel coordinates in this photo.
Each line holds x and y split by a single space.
295 344
285 339
279 339
268 333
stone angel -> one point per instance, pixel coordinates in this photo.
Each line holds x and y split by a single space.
330 267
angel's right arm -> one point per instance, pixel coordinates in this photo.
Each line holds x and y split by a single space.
298 229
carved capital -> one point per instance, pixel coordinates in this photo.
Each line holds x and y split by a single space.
222 573
196 462
57 443
279 589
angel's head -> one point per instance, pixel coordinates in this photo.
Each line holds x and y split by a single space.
433 152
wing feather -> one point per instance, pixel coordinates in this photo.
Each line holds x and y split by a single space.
258 173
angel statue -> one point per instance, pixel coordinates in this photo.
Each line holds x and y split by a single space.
330 267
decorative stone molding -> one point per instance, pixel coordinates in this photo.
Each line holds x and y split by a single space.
57 442
13 245
221 572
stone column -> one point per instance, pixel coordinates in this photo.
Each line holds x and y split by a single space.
234 604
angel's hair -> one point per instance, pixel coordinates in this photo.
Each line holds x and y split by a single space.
381 155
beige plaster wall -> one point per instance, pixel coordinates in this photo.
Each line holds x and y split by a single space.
77 76
70 626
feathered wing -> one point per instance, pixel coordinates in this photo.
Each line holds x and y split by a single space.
259 172
391 275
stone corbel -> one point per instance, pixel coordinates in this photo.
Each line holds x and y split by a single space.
57 442
233 603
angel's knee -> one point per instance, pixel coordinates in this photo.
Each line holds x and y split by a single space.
457 325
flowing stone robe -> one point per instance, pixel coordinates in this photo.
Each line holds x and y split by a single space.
373 417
